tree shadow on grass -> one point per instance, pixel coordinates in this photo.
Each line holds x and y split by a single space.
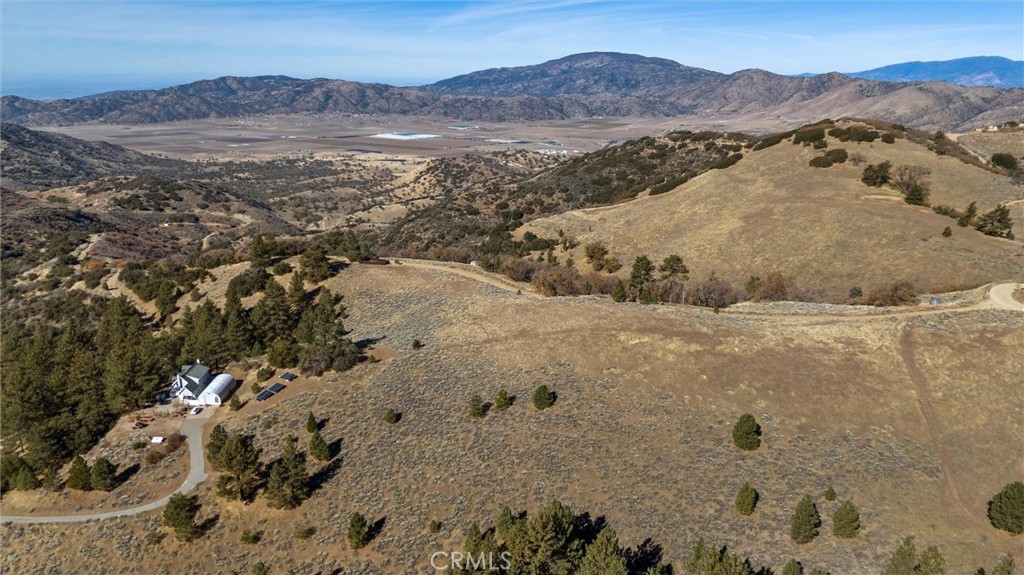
126 474
375 529
321 477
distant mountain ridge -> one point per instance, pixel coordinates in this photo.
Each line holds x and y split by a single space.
578 86
994 71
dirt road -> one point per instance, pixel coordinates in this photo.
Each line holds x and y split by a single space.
192 429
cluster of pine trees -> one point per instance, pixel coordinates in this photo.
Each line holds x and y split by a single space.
66 383
557 540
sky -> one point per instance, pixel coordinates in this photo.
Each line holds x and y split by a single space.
75 48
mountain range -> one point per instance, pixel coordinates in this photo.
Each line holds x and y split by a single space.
577 86
993 71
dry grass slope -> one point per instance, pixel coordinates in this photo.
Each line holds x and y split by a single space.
909 417
772 212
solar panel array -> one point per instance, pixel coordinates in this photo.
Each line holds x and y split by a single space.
288 376
269 392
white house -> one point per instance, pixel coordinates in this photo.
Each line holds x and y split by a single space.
195 386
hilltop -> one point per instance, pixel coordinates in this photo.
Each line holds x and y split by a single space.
772 212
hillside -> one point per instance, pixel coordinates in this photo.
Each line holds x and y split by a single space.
34 160
887 410
993 71
822 226
580 86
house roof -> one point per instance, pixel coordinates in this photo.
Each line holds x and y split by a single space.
196 377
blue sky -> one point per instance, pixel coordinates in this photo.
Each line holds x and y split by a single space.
61 49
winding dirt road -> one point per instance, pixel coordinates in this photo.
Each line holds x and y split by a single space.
192 429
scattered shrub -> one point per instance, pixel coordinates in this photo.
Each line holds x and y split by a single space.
543 397
807 136
876 175
746 434
838 155
503 400
820 162
250 537
477 407
896 292
830 494
1006 509
358 531
417 344
304 532
1005 161
434 526
391 416
746 499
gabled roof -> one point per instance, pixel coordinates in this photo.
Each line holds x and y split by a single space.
195 376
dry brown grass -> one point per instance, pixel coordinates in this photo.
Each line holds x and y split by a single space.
772 212
909 417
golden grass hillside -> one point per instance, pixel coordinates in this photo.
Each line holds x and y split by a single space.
913 417
773 212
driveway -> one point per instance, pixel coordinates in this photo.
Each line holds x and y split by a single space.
192 429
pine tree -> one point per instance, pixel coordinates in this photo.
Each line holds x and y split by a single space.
543 397
502 401
707 560
314 264
358 531
846 521
288 484
619 292
477 408
297 297
272 314
997 223
234 403
793 567
641 274
803 526
180 515
260 252
218 436
746 434
1006 509
505 522
104 475
26 479
51 482
240 459
604 556
319 448
746 499
903 560
79 476
238 340
311 423
931 562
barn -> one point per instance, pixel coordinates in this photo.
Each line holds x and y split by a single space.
194 385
